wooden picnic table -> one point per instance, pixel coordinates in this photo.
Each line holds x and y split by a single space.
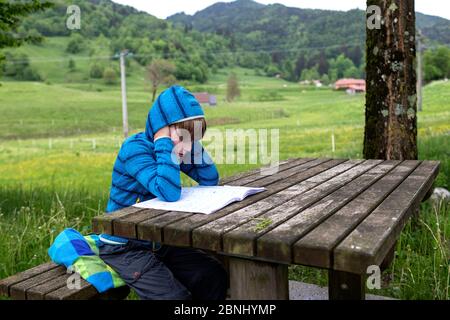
342 215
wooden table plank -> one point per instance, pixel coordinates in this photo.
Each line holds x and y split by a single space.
247 178
180 233
369 242
104 223
124 222
283 165
5 284
315 248
161 228
291 219
127 226
209 236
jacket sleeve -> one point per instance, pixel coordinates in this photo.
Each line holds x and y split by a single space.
159 174
201 167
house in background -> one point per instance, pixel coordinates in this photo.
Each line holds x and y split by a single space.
205 98
351 86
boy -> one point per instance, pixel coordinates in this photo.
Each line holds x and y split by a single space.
148 165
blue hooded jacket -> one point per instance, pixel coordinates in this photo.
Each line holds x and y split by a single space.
144 168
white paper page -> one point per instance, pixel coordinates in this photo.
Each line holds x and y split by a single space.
202 199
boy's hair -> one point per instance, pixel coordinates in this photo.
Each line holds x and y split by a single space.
190 126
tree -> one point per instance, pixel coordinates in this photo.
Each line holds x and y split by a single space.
96 71
310 74
233 90
109 76
340 66
391 100
72 65
437 63
11 14
76 44
160 72
18 66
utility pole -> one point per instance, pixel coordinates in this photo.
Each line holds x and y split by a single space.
419 70
123 54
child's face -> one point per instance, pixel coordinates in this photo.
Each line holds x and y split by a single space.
182 142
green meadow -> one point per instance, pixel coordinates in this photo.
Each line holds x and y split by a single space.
59 139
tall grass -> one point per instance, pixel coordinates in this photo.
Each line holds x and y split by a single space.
30 219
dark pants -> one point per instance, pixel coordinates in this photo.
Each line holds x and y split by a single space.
167 273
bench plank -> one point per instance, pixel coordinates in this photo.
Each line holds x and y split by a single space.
209 236
156 229
292 218
85 292
5 284
18 291
315 248
38 292
370 241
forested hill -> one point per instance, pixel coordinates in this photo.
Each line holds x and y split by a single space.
252 23
119 27
297 44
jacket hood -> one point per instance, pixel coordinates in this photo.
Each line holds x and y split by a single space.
172 105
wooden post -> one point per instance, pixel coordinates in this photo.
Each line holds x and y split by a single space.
256 280
345 286
389 257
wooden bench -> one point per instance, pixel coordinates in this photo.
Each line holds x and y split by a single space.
48 281
336 214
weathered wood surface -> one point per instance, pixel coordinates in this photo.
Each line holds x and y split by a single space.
254 280
346 286
7 283
209 236
105 223
148 224
314 248
338 214
150 227
280 181
180 233
295 217
371 240
48 281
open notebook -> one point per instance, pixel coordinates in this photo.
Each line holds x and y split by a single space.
202 199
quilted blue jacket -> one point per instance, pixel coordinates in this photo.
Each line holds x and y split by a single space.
144 168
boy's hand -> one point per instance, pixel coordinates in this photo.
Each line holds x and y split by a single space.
163 132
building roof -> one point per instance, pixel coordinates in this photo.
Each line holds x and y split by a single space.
202 97
356 84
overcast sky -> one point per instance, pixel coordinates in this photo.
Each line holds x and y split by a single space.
163 9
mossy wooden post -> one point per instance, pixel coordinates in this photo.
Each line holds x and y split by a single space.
391 99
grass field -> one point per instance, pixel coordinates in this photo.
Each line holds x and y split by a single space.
58 141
